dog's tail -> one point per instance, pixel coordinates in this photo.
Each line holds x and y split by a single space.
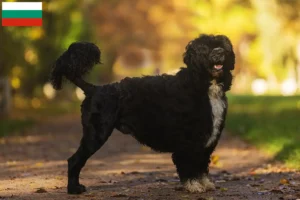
74 63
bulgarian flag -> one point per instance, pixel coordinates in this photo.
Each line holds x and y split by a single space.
22 13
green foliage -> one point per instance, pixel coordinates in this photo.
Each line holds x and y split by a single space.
164 27
225 17
31 50
269 122
276 38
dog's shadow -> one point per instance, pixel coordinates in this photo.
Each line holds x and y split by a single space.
150 179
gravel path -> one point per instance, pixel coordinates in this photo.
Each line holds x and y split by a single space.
33 166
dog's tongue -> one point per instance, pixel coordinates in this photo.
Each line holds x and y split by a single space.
218 66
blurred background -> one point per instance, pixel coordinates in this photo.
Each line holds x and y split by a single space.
147 37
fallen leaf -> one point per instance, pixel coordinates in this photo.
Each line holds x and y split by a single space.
119 195
220 181
219 165
215 159
11 163
185 196
254 185
58 177
224 189
252 171
40 190
284 181
39 164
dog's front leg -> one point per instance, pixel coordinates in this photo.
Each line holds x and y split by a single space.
192 169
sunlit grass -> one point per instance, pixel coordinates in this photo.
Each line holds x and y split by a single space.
269 122
27 112
41 107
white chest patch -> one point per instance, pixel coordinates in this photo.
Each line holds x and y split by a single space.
215 94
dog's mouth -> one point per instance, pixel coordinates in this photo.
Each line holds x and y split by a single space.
218 67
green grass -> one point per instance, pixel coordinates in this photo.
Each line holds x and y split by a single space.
271 123
23 118
52 109
8 126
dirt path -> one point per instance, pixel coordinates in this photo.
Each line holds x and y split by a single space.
33 166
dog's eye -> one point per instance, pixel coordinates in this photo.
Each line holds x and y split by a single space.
203 49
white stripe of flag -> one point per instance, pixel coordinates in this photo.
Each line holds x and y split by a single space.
22 6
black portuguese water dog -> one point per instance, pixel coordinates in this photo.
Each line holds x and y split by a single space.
183 114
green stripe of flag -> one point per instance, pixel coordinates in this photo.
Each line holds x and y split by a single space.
21 13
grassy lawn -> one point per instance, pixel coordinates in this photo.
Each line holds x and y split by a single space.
23 118
8 126
272 123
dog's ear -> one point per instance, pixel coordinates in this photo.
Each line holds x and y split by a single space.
188 55
195 55
226 42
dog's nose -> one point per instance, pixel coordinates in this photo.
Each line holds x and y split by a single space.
217 55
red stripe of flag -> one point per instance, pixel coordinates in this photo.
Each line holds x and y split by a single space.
22 22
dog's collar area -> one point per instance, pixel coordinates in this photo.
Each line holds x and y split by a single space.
215 83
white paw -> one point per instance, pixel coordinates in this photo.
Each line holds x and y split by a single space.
194 186
207 183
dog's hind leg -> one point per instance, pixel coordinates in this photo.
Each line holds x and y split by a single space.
95 133
192 169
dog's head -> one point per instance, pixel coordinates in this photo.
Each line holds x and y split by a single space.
212 54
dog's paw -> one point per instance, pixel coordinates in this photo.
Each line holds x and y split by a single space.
76 189
194 186
207 183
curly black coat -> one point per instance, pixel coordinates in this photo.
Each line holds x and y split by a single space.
183 114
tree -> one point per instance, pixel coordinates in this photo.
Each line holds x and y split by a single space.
278 29
30 51
143 23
